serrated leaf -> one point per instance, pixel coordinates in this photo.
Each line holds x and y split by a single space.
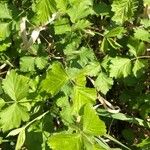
136 47
27 64
62 5
80 10
82 96
138 65
91 123
142 34
44 10
12 116
16 86
103 83
123 10
120 67
41 62
20 140
62 26
5 30
55 79
81 24
4 11
65 142
92 69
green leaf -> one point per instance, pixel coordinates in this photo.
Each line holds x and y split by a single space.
12 116
27 64
118 31
55 79
44 10
138 65
123 10
2 103
103 83
81 24
65 142
62 5
41 62
80 10
62 26
142 34
102 9
5 30
20 140
91 123
136 47
92 69
120 67
82 96
145 144
16 86
145 23
104 45
4 11
4 45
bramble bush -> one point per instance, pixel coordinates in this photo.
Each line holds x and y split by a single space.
74 75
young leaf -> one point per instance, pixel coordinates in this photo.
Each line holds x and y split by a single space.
123 10
91 123
65 142
55 79
120 67
103 83
82 96
16 86
12 116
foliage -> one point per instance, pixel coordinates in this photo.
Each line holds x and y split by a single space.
67 68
